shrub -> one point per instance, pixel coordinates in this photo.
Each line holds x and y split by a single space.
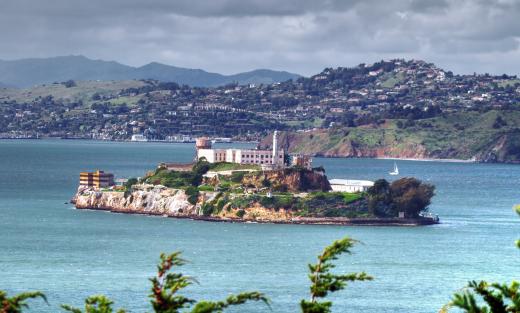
130 182
224 186
240 213
206 188
237 177
207 209
193 194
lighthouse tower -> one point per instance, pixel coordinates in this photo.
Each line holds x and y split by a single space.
276 160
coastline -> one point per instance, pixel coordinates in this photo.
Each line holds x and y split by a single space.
450 160
430 160
332 221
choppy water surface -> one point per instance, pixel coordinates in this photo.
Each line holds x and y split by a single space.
47 245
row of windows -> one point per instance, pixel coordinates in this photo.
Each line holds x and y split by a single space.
261 156
259 162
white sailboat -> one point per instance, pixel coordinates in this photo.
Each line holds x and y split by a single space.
395 172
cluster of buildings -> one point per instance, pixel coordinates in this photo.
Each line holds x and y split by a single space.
267 159
247 112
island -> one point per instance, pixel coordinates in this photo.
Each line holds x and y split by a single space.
214 189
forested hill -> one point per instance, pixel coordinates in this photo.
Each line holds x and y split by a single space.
30 72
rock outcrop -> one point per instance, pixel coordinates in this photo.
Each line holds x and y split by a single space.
290 179
169 202
470 136
144 199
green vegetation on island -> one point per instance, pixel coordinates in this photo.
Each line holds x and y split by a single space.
298 191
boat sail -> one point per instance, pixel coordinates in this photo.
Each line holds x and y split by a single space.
395 171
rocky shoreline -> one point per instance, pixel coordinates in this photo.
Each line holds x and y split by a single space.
167 202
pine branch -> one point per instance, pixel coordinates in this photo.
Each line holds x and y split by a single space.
94 304
323 281
16 303
218 307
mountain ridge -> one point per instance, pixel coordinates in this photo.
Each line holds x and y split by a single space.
36 71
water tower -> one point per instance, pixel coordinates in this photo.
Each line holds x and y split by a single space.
201 143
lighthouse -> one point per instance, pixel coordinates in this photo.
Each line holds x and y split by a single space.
276 160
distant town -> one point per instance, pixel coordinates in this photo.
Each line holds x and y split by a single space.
151 110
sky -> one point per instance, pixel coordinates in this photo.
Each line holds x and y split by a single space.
301 36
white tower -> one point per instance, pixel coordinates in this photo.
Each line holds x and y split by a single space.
275 149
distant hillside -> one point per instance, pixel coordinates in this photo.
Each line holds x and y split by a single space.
30 72
489 137
396 108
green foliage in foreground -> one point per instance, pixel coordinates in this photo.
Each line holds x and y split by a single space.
324 282
166 286
477 297
484 297
19 302
94 304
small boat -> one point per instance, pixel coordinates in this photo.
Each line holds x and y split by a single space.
395 172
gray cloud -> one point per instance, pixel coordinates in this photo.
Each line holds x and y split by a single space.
302 36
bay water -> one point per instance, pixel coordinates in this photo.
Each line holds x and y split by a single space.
47 245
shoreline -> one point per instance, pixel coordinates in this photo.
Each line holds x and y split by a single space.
333 221
450 160
430 160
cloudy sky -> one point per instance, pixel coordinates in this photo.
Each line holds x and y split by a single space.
301 36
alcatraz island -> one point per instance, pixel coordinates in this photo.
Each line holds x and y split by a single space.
255 185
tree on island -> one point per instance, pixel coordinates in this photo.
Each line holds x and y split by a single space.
411 195
408 195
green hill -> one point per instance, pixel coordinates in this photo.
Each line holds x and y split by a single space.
485 137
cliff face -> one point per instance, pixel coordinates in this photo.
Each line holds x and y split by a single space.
292 180
258 213
327 144
159 200
467 136
144 199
